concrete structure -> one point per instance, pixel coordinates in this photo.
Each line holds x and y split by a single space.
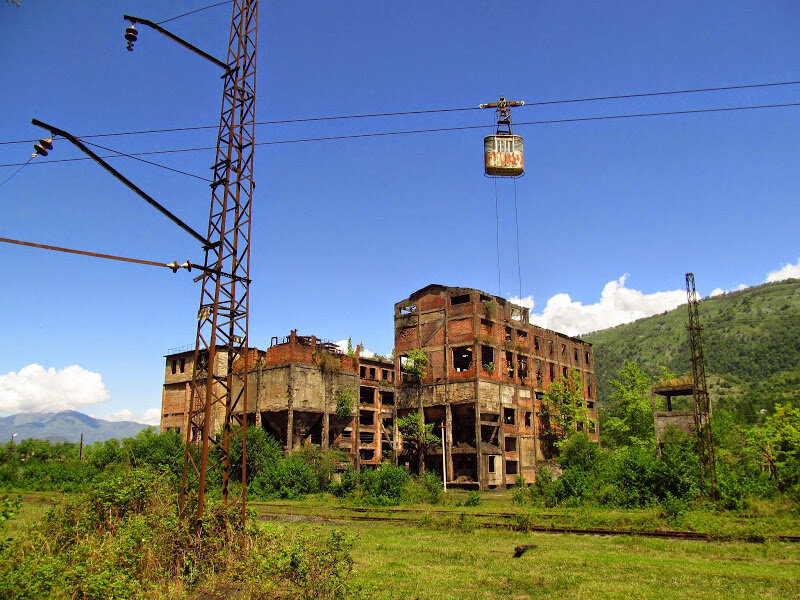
488 370
679 415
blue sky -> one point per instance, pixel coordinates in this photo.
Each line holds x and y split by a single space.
343 229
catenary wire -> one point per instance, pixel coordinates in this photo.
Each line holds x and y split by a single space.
149 162
497 234
443 129
137 261
432 111
191 12
516 222
22 166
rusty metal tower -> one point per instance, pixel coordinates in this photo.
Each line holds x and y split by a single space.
218 405
702 402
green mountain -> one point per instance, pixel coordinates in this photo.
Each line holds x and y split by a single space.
65 426
751 342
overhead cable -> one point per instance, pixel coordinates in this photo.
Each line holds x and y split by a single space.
437 110
443 129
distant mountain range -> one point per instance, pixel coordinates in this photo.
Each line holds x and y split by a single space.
65 426
751 341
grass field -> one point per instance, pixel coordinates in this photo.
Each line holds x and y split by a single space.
435 553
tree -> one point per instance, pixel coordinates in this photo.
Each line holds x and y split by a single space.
778 441
564 409
350 351
630 418
415 365
418 437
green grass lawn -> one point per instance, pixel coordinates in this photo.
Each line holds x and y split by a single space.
414 562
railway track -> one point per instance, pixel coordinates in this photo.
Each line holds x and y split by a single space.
269 512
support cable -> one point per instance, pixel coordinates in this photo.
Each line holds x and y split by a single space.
497 234
428 111
516 221
443 129
22 166
191 12
137 261
149 162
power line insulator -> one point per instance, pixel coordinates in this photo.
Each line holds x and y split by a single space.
131 35
43 147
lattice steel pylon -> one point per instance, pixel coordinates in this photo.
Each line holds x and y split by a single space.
218 405
702 402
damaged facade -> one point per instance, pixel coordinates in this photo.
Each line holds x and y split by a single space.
487 372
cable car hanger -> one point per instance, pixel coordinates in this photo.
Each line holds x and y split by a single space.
502 152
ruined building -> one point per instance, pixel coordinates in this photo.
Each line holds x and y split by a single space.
486 374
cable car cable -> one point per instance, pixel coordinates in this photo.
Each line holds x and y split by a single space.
22 166
149 162
191 12
443 129
516 221
497 234
433 111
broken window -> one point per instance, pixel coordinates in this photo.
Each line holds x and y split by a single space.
485 298
363 372
387 398
487 358
552 371
516 313
462 358
366 417
511 467
528 419
550 346
511 444
522 361
372 373
347 433
486 323
589 404
538 372
384 374
366 454
510 364
408 308
174 366
492 464
366 395
579 425
463 299
509 416
366 437
563 349
564 371
536 342
587 358
522 334
540 395
508 334
183 365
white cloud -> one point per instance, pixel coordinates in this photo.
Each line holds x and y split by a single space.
342 345
36 389
617 305
152 416
526 302
720 291
788 271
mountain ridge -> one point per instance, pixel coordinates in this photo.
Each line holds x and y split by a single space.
65 426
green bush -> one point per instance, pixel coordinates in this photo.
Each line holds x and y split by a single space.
385 485
473 499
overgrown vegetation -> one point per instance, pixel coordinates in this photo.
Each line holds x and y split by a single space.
415 365
345 400
124 539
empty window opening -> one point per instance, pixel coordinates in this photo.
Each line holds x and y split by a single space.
487 358
408 308
174 366
528 419
523 366
516 313
492 464
589 390
366 417
462 299
509 416
363 372
486 323
490 417
183 365
576 354
384 375
511 467
579 425
587 357
462 358
592 427
536 342
387 398
366 454
366 437
522 334
552 371
386 448
372 373
589 404
510 364
508 334
347 433
366 395
540 395
564 371
550 346
511 444
485 298
563 349
387 423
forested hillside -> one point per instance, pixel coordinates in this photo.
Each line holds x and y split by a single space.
751 340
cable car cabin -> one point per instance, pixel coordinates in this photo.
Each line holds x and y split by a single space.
502 154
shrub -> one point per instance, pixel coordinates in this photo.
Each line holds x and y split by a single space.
473 499
385 485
